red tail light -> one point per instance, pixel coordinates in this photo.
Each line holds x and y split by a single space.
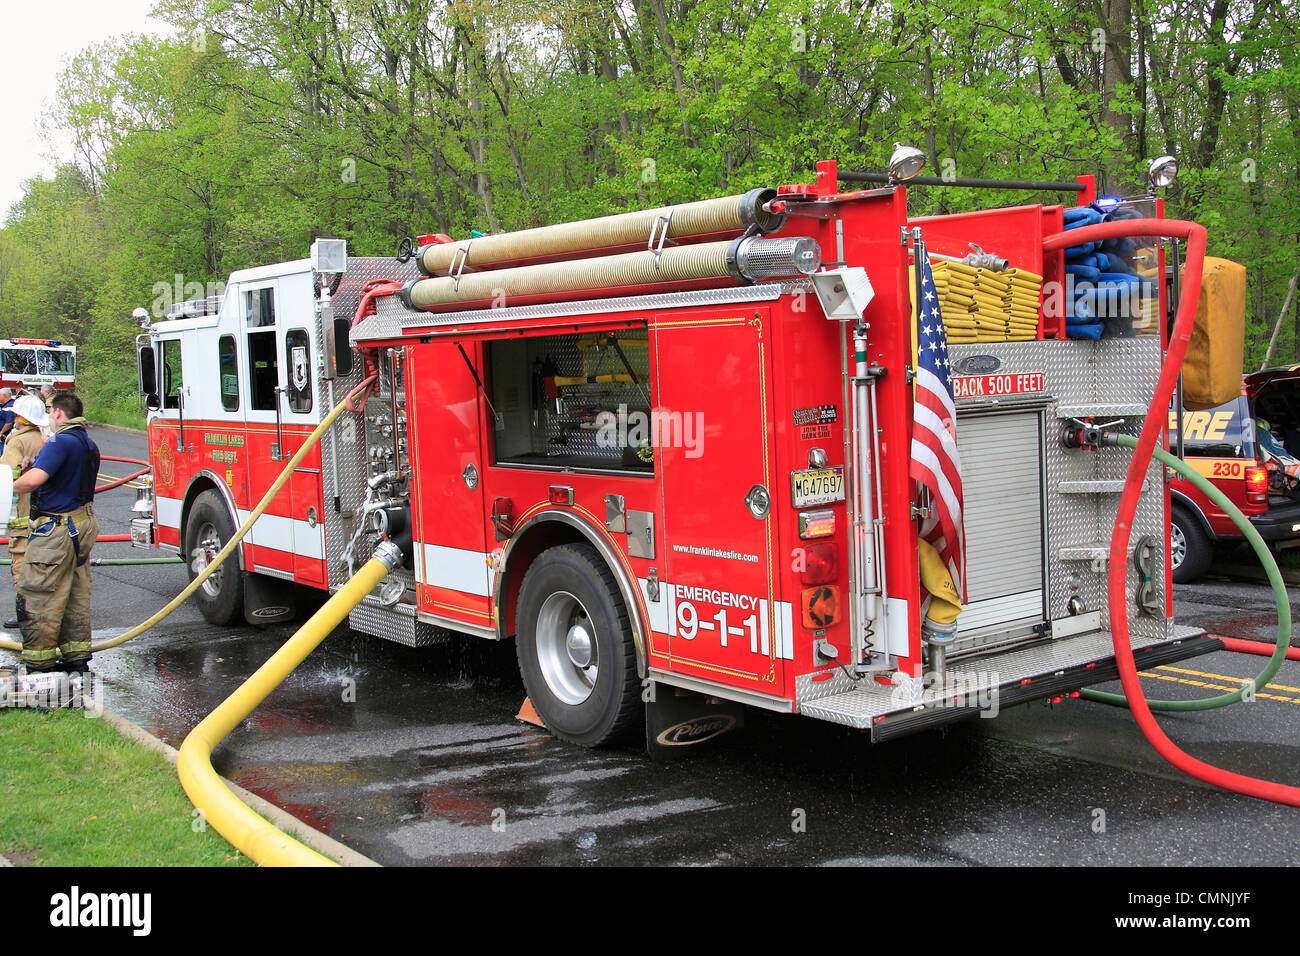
820 564
1256 483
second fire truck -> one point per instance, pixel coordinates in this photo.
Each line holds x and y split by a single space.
669 454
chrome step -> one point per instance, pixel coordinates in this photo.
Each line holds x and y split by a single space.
971 681
1094 486
1084 552
1126 410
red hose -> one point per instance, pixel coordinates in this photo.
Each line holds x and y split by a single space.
121 481
372 290
1256 647
1153 427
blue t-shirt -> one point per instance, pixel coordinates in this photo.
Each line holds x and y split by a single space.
7 413
61 458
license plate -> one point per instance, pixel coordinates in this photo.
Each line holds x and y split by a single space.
817 486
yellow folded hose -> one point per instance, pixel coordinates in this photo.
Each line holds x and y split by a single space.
229 549
707 216
245 830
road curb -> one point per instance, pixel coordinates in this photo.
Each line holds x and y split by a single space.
326 846
120 428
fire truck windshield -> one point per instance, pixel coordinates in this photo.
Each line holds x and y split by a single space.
51 362
18 361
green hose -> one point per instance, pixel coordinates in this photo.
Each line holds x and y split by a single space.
1274 579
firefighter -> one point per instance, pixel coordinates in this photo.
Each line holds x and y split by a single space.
54 585
24 444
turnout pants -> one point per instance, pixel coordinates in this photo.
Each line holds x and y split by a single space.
54 590
17 550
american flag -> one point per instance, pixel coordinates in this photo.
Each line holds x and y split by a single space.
935 462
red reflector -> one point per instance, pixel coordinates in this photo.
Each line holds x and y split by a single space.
1057 700
1073 693
560 494
1025 682
820 564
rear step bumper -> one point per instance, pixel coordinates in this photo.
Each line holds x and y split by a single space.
1001 680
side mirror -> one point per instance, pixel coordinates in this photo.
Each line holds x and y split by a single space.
146 373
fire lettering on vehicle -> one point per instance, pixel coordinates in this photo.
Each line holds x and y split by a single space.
219 438
1012 383
1203 425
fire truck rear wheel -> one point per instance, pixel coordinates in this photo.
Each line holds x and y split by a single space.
221 597
575 647
1190 552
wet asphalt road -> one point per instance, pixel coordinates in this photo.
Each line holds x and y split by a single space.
413 756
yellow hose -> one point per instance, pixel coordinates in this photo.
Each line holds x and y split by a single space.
245 830
728 214
229 549
674 264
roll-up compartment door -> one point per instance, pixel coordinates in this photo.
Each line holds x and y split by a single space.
1002 478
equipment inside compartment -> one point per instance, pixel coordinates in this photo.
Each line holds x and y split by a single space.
580 400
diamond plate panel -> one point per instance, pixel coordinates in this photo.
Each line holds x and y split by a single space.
397 624
868 700
343 449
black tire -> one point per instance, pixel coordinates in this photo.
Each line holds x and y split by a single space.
570 611
1190 550
207 530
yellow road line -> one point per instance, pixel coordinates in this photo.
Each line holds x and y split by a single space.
1209 686
1183 670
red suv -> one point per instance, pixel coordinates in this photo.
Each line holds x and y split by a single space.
1250 449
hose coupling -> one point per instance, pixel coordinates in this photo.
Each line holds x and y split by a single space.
1088 434
388 553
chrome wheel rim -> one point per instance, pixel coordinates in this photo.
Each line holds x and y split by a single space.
567 648
207 548
1177 546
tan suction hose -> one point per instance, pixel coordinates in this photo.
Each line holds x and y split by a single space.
674 264
706 217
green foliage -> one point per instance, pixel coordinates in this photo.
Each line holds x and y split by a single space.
260 125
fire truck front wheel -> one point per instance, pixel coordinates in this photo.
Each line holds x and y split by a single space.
575 647
221 597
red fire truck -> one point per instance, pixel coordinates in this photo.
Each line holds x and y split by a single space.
31 363
668 453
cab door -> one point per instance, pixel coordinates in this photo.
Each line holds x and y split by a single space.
283 408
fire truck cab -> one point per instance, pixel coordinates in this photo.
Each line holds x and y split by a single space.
31 363
671 472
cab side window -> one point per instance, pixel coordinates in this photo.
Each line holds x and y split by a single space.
228 373
171 368
263 367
